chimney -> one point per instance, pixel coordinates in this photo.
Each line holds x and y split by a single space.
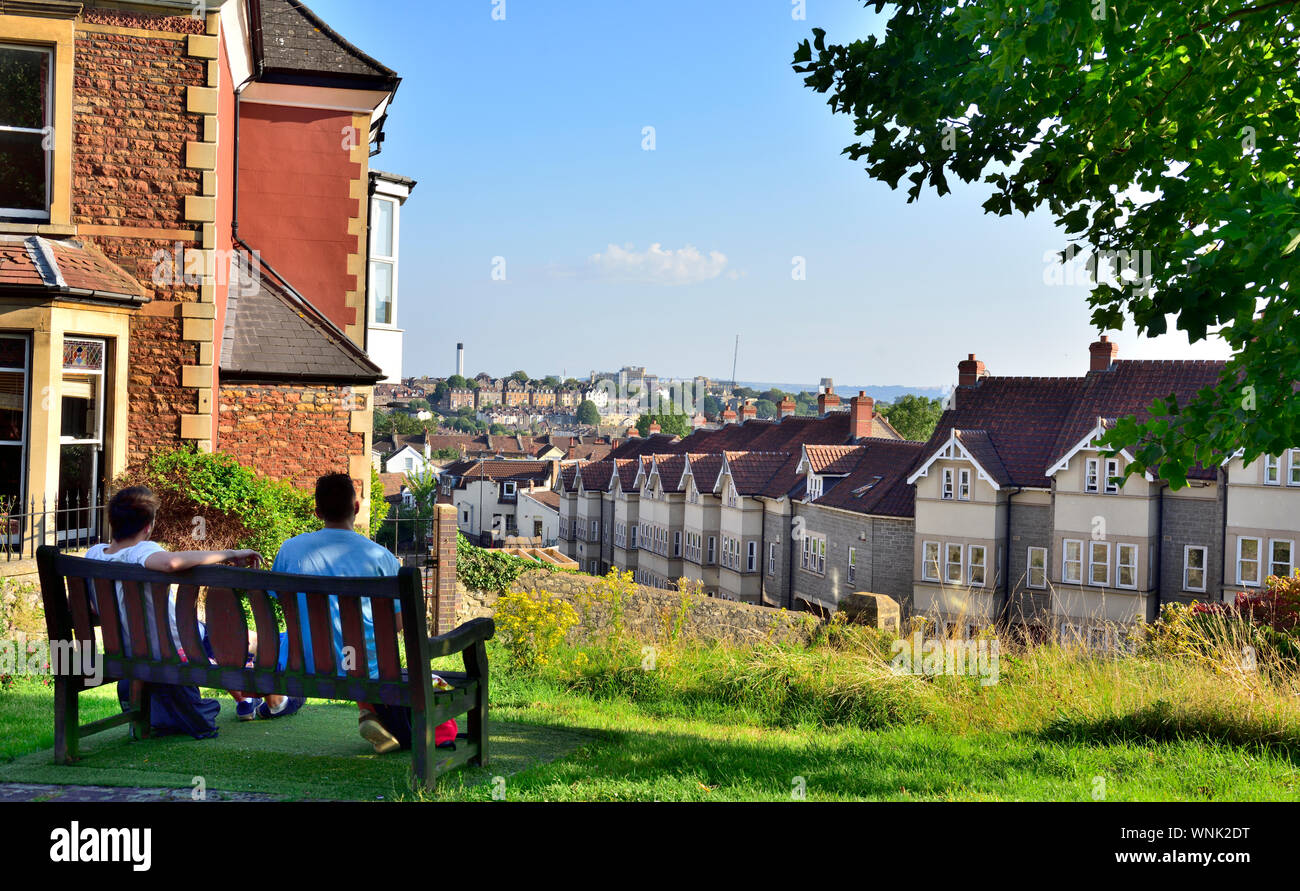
1103 353
728 416
748 411
654 428
827 401
460 359
787 407
969 371
862 410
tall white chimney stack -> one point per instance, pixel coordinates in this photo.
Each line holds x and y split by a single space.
460 359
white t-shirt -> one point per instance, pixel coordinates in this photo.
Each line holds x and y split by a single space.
137 553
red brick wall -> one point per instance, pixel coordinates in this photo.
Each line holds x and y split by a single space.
131 126
295 177
288 432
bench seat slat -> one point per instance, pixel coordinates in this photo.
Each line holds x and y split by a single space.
187 623
110 621
227 629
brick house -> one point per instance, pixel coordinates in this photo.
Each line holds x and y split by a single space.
183 248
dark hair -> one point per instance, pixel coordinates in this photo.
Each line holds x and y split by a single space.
336 497
130 511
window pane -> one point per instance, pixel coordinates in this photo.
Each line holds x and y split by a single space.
381 228
11 473
1196 558
22 171
1250 549
11 406
381 292
24 86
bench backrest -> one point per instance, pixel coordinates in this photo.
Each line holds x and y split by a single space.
79 594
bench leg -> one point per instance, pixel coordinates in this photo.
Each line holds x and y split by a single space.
421 746
66 721
476 666
140 709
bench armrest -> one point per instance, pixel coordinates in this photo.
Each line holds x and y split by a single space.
462 638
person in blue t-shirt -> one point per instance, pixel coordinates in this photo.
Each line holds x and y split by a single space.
338 550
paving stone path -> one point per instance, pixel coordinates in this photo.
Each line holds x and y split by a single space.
47 792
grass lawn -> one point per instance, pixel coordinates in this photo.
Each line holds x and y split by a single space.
558 736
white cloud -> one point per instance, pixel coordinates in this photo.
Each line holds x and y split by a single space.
686 265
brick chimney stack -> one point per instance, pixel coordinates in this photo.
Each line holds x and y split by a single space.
787 407
654 427
748 412
862 411
1103 353
969 371
728 416
827 401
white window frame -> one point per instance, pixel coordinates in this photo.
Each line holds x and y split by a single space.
1293 467
1112 470
963 484
1120 564
509 488
389 260
981 565
771 558
677 544
946 493
1030 568
1077 562
1093 563
930 569
1272 468
1258 561
1272 559
14 213
853 564
713 550
1188 568
751 556
1092 475
948 563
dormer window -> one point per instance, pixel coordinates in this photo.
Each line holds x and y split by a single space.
26 132
1112 476
963 485
947 484
509 488
1272 470
1090 475
814 487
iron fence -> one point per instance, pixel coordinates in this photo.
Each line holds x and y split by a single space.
74 521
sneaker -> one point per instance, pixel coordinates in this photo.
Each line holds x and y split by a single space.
377 735
291 705
246 709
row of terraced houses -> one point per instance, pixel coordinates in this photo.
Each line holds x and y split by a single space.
1010 510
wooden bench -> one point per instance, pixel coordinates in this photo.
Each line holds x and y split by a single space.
71 615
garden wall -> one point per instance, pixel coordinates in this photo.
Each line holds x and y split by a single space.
650 613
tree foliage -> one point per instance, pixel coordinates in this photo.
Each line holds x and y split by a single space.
1163 138
588 413
915 417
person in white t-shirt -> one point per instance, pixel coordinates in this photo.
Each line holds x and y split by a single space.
131 514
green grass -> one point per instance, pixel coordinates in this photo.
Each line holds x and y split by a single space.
721 724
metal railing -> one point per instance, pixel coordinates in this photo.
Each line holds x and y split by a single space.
73 522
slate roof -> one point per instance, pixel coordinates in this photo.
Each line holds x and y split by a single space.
64 267
272 332
877 480
544 496
499 471
294 45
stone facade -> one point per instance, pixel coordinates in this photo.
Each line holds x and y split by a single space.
292 432
1196 522
882 549
649 612
1031 527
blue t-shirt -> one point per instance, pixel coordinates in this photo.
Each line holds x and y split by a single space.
337 552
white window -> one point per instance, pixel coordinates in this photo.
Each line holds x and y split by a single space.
508 489
1090 472
814 487
976 560
814 553
1280 557
751 556
1112 476
1194 568
963 485
1037 571
1126 565
595 530
1099 563
1293 467
591 567
952 564
1072 561
930 561
771 558
947 483
26 120
853 565
1272 470
632 543
1248 554
677 544
713 549
383 261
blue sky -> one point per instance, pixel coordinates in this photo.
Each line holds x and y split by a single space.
526 137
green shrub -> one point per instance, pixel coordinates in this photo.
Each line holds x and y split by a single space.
532 625
210 501
484 569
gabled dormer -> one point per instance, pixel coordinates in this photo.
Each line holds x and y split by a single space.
1095 472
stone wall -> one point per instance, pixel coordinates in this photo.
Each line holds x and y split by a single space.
1191 521
290 432
649 612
